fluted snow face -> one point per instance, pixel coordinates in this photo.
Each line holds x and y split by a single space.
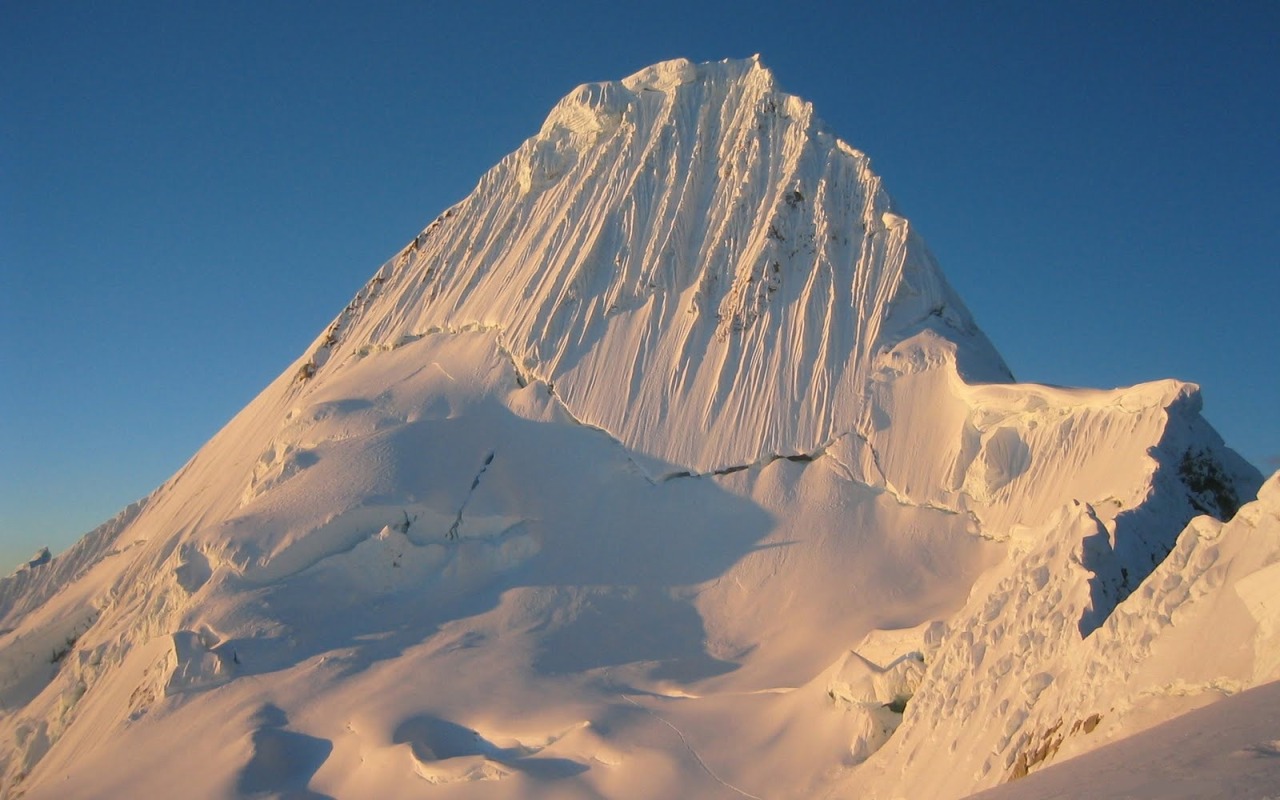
688 258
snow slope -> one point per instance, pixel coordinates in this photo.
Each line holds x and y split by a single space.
665 464
1227 750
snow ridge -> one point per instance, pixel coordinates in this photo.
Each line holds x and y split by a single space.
1187 635
29 587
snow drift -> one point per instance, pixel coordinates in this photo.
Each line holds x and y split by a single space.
666 463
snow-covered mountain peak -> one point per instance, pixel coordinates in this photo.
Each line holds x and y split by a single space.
666 76
594 108
672 426
663 76
691 261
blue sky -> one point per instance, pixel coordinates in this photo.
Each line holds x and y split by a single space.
190 192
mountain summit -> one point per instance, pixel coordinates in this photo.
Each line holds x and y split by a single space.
666 463
692 261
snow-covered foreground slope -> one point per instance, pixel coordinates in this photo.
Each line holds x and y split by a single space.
1226 751
662 465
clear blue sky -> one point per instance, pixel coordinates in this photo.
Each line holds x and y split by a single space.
189 192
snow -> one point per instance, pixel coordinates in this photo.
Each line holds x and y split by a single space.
1229 749
1192 632
665 464
696 266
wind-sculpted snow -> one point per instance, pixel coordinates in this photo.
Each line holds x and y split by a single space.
34 584
690 258
1201 626
671 428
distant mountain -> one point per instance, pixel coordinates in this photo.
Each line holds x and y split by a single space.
666 463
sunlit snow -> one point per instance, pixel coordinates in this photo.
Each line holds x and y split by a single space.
665 464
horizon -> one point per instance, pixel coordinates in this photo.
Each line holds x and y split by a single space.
193 195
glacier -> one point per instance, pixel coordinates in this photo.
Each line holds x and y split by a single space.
666 463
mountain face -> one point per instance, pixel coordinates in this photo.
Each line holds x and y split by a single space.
691 261
666 463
